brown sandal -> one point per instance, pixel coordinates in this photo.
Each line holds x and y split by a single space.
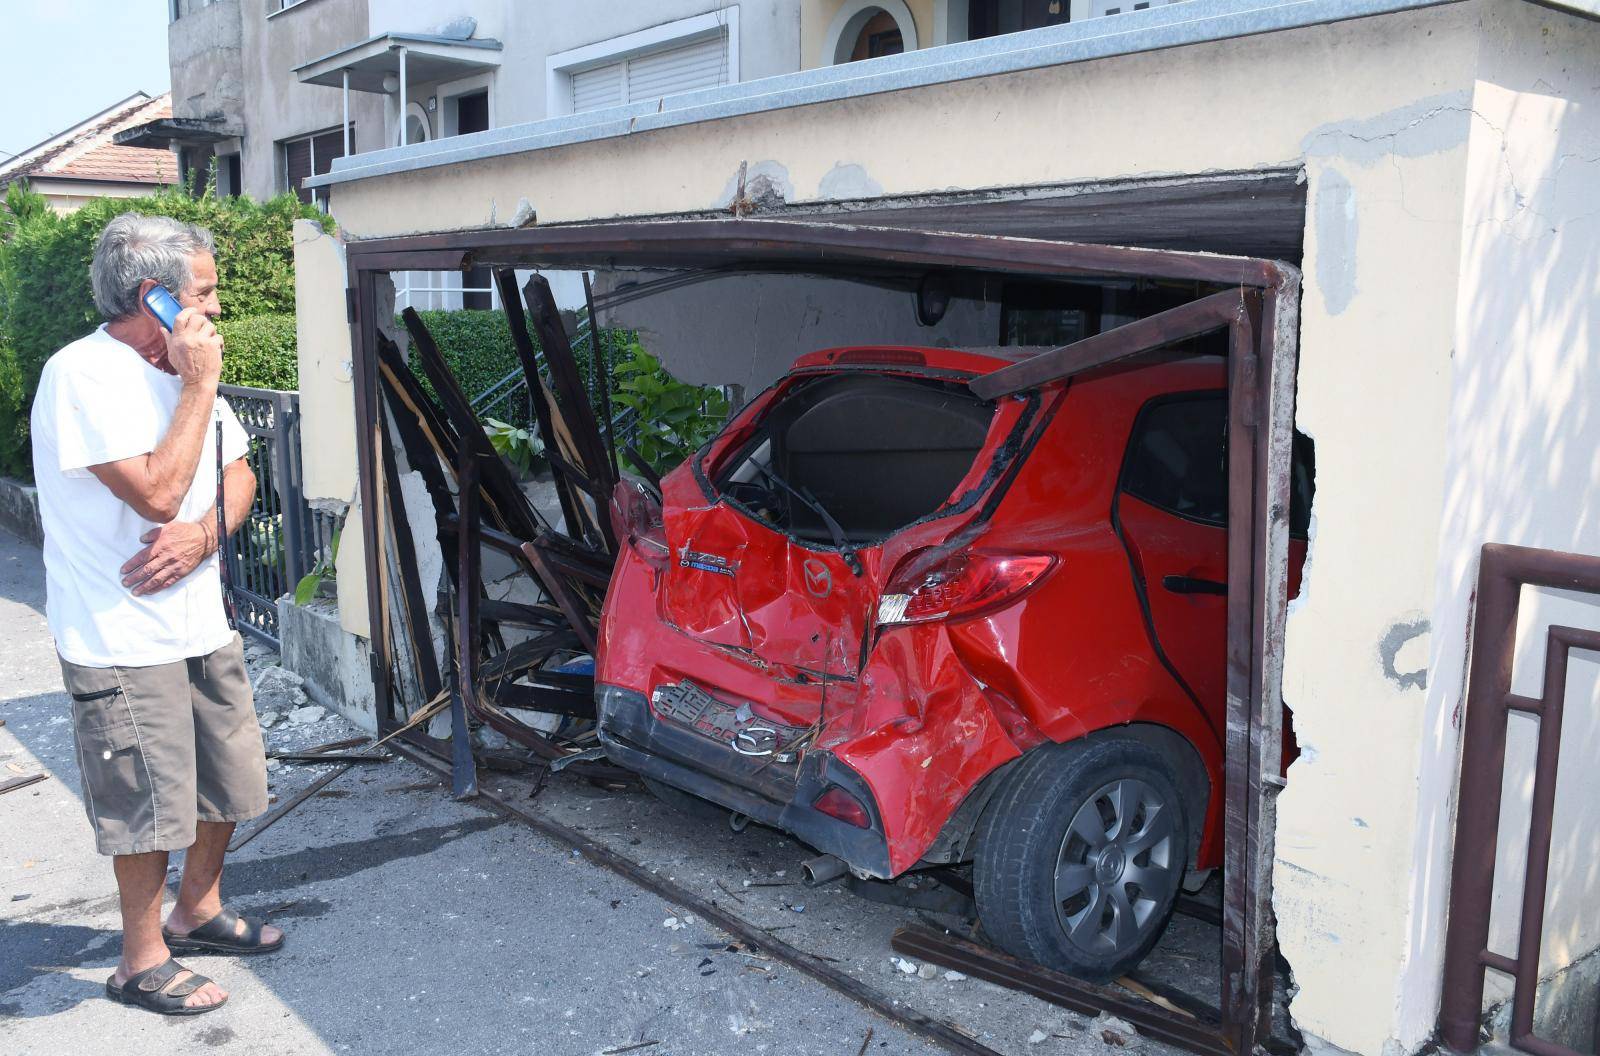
155 990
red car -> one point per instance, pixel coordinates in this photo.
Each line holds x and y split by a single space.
912 627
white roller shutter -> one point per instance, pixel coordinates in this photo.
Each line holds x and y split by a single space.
673 71
668 71
597 89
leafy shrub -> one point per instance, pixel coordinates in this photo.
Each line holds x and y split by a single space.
14 457
521 447
259 351
674 417
45 296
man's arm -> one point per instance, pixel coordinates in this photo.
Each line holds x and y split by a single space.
176 549
155 483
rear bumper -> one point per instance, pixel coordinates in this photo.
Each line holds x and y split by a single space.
636 739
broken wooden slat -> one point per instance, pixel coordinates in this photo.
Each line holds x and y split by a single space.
425 436
418 627
501 497
569 388
21 782
602 375
506 281
464 774
574 605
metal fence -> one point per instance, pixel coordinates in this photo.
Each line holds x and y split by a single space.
283 537
508 400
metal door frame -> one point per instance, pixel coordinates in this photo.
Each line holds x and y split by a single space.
1259 307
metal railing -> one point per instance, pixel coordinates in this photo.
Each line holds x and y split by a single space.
1502 573
283 537
507 399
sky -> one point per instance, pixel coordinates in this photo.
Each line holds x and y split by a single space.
64 60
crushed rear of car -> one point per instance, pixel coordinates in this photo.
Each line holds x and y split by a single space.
915 628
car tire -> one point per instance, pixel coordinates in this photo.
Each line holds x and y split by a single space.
1080 856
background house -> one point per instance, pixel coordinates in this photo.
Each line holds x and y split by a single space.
85 161
273 92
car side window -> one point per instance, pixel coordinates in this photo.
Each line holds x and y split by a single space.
1178 461
1178 457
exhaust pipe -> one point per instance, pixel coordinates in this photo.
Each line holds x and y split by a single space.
823 869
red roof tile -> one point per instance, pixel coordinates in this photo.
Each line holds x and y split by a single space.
87 153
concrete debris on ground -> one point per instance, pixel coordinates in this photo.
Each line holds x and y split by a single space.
1113 1030
307 715
278 689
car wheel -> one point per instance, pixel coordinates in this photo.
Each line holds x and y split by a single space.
1080 857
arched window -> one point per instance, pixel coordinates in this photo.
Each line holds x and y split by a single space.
418 130
866 30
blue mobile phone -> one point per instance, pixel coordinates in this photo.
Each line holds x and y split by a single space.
163 306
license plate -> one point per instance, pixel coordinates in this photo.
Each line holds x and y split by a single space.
686 704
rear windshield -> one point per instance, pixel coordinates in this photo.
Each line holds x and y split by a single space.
876 452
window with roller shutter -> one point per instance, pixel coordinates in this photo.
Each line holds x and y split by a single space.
311 155
667 71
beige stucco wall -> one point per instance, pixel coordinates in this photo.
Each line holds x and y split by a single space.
1524 429
1382 252
1380 113
327 404
1147 114
68 196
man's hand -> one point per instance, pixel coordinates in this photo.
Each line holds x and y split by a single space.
173 552
194 348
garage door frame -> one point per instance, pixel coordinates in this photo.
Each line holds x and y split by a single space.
1262 323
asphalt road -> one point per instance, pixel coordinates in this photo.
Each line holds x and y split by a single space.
416 924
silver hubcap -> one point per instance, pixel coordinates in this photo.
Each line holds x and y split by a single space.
1116 867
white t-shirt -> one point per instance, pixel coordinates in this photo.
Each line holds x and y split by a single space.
99 401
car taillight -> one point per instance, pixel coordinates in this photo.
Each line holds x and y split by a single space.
636 517
837 803
961 586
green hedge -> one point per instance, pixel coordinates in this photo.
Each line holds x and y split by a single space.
259 351
46 301
476 343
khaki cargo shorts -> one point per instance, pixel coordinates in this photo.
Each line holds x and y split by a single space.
161 747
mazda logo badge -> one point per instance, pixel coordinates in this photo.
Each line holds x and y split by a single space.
819 581
755 740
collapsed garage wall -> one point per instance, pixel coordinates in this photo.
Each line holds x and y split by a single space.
1386 159
763 322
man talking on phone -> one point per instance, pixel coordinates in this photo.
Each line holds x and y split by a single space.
127 457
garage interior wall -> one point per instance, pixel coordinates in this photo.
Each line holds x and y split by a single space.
1406 326
765 322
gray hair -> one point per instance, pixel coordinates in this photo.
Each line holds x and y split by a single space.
135 247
